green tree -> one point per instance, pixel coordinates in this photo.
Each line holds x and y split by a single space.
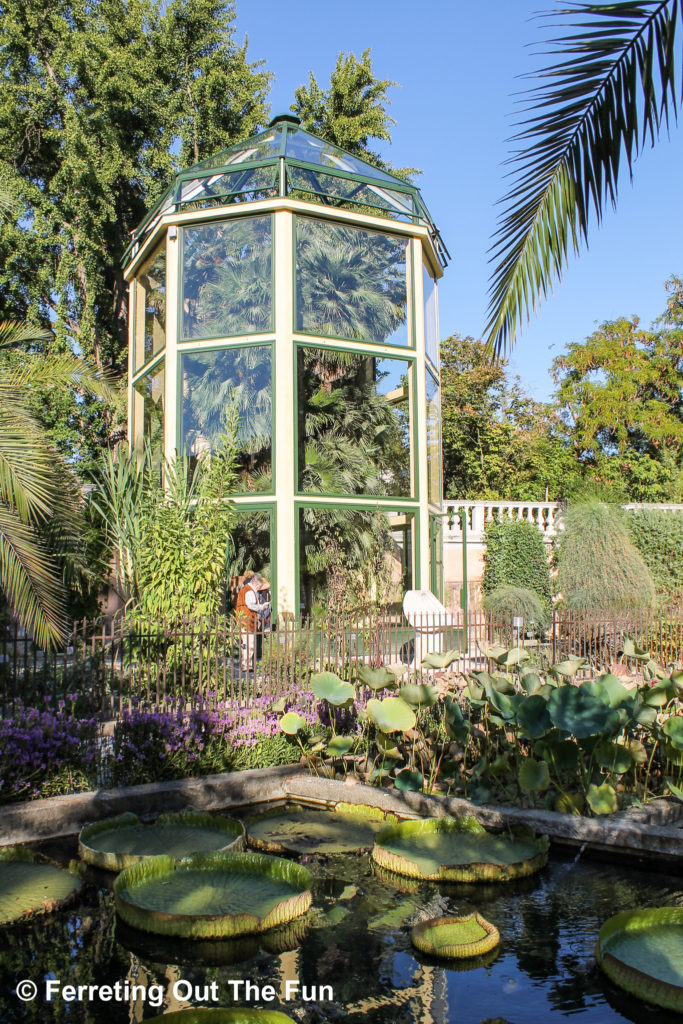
621 395
98 98
612 81
497 441
352 113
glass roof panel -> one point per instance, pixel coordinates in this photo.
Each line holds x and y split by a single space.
302 146
259 148
397 203
244 180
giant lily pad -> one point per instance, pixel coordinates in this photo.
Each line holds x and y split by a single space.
212 895
455 937
30 885
215 1015
116 843
377 678
642 952
349 828
456 850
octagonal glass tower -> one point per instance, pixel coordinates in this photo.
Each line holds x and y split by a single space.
297 282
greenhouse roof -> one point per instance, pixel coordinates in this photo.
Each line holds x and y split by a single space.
286 160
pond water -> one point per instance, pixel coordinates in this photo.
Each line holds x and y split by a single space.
356 940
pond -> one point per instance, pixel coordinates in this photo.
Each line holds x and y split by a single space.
356 940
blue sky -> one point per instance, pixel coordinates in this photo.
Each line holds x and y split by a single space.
458 65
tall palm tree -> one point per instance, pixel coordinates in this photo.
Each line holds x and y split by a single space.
612 83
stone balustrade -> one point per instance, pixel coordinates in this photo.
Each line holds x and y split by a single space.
543 514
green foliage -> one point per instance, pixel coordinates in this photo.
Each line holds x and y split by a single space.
610 84
506 602
620 392
97 97
352 112
516 557
599 569
658 536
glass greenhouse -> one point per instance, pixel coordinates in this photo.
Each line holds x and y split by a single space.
299 283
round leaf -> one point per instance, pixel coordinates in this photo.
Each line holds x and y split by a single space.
533 717
340 745
613 757
327 686
575 710
409 781
602 799
436 660
291 723
419 695
377 678
570 803
533 775
391 714
673 729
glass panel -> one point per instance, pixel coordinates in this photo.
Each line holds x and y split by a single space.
211 382
431 323
354 414
150 308
351 283
249 545
258 149
302 146
148 415
397 204
351 560
227 278
198 190
433 439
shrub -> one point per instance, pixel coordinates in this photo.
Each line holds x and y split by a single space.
506 602
599 569
658 536
516 557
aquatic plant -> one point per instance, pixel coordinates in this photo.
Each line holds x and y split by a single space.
641 951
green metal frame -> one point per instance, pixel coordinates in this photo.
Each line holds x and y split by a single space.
410 345
271 508
191 349
134 282
364 505
436 578
437 379
179 299
405 357
148 369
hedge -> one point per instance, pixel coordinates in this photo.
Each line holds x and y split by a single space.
658 536
516 556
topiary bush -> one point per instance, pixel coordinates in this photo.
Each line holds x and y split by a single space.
516 557
598 567
504 603
658 536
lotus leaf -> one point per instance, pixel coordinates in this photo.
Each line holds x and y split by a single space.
409 781
475 689
658 695
456 850
631 650
212 895
116 843
497 654
533 775
645 715
377 678
454 722
530 682
502 684
575 710
419 695
638 751
609 689
388 746
673 730
279 706
673 754
215 1015
533 716
304 830
327 686
29 885
340 745
642 952
516 656
503 704
391 714
602 799
570 803
613 756
677 678
569 667
292 723
455 937
441 660
379 774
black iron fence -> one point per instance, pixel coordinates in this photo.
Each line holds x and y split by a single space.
106 664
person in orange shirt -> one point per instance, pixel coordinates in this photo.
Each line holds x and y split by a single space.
253 614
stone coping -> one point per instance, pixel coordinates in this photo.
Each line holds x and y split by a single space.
626 833
66 815
618 834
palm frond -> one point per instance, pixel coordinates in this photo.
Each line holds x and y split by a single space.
13 334
29 580
613 84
